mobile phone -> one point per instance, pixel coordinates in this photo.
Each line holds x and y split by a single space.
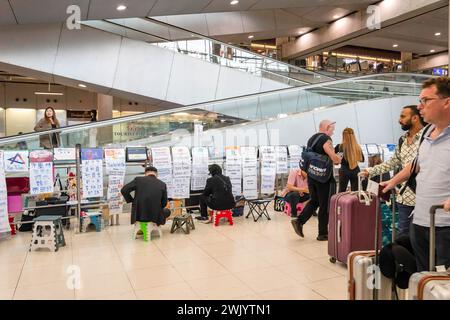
384 196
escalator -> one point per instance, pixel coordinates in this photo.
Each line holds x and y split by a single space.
163 127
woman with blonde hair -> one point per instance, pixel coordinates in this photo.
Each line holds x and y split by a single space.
352 155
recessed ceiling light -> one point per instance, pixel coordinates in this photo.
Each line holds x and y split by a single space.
432 51
234 2
336 16
437 34
121 7
395 46
82 85
251 36
44 93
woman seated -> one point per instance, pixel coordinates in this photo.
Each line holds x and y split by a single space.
217 195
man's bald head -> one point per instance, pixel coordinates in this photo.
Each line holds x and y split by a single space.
327 127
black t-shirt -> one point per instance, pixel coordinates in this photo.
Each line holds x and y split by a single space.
320 143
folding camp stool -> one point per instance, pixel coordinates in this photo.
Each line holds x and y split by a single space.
185 220
47 233
258 208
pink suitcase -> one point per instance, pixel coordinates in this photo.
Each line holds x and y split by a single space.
351 226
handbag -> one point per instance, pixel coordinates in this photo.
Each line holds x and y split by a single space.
318 166
278 204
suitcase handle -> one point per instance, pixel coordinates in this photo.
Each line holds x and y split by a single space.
339 231
364 197
433 210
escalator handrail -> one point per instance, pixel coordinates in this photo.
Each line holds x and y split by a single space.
141 116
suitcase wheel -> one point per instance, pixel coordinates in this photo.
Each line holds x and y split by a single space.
332 259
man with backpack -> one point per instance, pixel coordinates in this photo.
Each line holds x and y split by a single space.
318 162
406 151
431 170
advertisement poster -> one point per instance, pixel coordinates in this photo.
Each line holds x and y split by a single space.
233 168
92 172
181 172
41 172
16 161
162 161
249 172
115 162
4 222
268 169
199 167
282 159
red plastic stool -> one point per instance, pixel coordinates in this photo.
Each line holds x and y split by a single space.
288 210
218 214
11 224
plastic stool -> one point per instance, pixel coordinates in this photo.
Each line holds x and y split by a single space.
147 228
95 220
47 233
218 214
12 225
288 210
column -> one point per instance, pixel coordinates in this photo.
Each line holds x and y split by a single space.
407 58
104 135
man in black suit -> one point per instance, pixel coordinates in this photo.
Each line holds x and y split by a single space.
150 198
218 193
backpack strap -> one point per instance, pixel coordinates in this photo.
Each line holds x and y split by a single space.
316 140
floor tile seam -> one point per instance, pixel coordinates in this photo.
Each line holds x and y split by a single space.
20 275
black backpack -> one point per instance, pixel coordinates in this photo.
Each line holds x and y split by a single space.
318 166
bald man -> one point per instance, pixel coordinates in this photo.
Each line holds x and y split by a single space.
320 192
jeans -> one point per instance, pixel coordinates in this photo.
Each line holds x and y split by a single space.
404 220
320 198
295 198
420 241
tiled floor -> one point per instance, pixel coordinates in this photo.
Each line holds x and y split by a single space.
250 260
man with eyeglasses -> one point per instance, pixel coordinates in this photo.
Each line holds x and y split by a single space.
412 122
433 175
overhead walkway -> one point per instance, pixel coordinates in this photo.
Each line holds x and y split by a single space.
343 100
202 47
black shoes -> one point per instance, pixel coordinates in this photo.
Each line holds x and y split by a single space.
298 227
201 218
322 238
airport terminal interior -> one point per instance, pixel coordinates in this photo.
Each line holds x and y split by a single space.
220 101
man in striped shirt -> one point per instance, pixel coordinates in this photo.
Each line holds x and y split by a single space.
406 151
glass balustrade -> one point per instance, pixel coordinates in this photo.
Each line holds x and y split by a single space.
156 127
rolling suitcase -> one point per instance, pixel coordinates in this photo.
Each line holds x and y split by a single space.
352 224
430 285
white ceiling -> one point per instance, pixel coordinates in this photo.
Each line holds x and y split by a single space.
415 35
41 11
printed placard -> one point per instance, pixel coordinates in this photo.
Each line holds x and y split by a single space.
249 172
92 172
282 159
200 160
181 172
162 161
4 222
16 161
268 169
115 199
41 172
295 154
233 168
115 161
64 154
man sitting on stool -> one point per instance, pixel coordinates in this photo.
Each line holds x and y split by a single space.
217 195
296 190
150 198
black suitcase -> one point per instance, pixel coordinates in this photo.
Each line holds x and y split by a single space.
27 227
62 211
